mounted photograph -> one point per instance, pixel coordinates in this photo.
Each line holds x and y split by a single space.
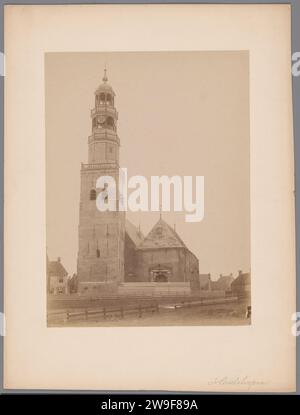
149 204
147 189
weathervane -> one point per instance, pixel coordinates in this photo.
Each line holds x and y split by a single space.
105 79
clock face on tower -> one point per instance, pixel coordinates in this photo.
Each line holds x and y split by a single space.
101 119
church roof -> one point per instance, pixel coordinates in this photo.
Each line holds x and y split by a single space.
134 233
162 236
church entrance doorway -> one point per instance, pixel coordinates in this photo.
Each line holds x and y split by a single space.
160 275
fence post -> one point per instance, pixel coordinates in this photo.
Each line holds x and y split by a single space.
140 311
122 312
68 316
104 313
86 314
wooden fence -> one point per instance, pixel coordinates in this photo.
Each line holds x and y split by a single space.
101 313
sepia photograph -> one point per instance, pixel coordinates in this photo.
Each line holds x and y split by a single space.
147 189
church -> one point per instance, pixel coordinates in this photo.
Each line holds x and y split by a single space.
111 250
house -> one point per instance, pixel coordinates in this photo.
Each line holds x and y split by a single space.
223 283
241 286
57 278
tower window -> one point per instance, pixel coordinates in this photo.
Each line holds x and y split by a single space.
110 122
93 194
102 98
108 99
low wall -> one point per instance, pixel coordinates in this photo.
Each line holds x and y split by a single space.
154 288
87 288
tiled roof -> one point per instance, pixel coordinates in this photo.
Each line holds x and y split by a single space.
162 236
134 233
223 282
226 279
55 268
241 281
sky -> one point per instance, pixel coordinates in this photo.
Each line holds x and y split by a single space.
180 113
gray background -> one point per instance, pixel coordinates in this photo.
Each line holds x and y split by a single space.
296 102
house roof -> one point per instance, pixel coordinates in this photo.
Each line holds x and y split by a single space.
162 236
225 279
241 280
133 233
223 283
56 269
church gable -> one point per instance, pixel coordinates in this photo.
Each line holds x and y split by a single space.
162 236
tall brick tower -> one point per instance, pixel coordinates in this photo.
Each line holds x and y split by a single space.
101 234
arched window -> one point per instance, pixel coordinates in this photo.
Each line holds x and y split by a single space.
93 194
108 99
98 253
102 98
110 122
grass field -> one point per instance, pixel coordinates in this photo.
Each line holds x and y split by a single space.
232 313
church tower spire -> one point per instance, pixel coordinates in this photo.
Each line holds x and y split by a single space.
105 79
101 234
